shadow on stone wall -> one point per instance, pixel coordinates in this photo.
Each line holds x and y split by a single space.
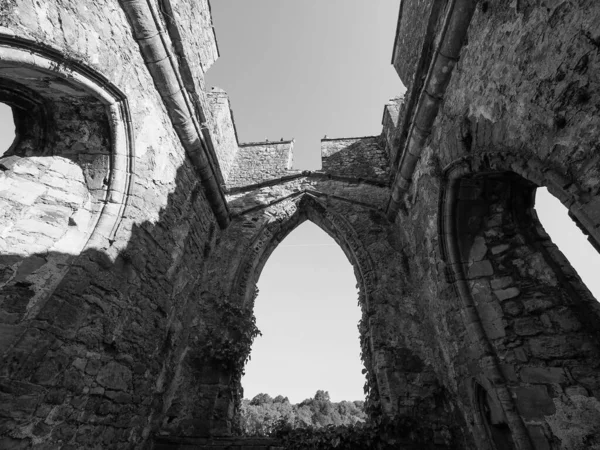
97 360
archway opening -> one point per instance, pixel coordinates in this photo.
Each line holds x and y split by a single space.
308 314
7 128
569 239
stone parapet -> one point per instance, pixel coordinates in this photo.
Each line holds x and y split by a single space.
256 162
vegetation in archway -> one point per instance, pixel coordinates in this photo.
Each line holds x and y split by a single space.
263 415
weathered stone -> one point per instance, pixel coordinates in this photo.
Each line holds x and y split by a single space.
541 375
534 402
114 376
131 217
527 326
501 283
505 294
480 269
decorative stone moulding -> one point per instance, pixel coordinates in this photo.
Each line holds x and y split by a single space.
70 187
17 53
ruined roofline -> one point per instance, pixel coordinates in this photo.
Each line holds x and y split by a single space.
349 138
217 90
396 36
212 25
252 144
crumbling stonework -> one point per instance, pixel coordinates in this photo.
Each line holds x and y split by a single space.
134 227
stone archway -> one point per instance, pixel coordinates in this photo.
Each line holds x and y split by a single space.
76 195
531 322
292 214
307 208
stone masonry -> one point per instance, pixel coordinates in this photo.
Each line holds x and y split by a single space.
134 227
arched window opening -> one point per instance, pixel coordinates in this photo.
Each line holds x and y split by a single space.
7 128
307 312
569 239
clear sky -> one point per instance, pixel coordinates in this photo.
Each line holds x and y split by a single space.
7 128
304 69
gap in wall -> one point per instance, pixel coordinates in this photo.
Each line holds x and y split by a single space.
569 239
7 128
307 310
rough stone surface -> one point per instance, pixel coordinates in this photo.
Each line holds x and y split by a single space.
118 286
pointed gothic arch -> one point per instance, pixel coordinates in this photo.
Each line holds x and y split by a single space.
306 207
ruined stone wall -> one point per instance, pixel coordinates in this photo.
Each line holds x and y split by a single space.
363 158
261 161
223 130
516 327
90 337
397 343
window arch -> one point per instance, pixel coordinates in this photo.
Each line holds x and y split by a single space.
67 167
569 239
301 290
524 307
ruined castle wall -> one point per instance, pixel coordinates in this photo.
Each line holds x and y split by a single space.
195 27
397 339
90 365
516 109
391 127
356 158
258 162
223 130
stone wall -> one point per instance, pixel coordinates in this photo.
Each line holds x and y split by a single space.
516 326
256 162
363 158
104 224
126 292
223 130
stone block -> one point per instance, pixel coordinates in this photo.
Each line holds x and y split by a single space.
492 319
533 402
537 304
501 283
543 375
527 326
551 347
8 336
505 294
114 376
478 250
513 307
480 269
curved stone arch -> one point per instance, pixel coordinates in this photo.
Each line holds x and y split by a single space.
532 173
538 172
21 53
293 213
307 207
34 76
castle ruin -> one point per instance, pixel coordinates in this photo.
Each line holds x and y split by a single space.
134 226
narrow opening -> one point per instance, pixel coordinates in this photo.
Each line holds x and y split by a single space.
306 367
7 128
569 239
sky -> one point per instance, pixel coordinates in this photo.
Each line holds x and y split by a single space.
305 69
7 128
